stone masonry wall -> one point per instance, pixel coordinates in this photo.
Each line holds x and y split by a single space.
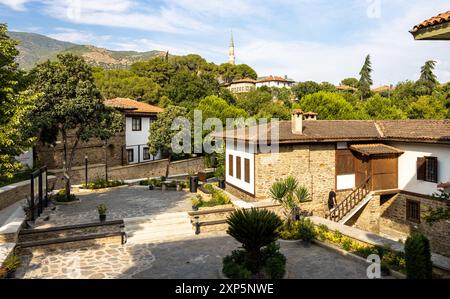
393 221
313 166
13 193
129 172
386 216
52 156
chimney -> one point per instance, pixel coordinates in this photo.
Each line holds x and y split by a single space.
310 116
297 121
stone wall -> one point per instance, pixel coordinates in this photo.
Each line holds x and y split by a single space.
52 156
129 172
386 216
13 193
313 165
239 193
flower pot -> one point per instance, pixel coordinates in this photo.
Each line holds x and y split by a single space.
151 187
102 218
194 208
221 184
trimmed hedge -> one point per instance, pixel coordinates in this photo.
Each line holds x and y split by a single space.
418 257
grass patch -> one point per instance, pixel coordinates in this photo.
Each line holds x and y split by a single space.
218 198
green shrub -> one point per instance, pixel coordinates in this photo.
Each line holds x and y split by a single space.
218 198
197 201
61 196
102 209
12 262
100 184
306 230
254 229
418 257
346 243
275 261
322 232
234 265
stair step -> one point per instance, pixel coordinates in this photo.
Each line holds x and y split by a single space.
139 225
175 215
159 238
353 211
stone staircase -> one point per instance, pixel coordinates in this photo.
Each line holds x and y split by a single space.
72 236
159 228
355 210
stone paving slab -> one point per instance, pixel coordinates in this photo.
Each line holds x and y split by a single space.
125 202
198 258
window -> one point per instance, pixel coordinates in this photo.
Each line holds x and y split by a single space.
247 170
238 168
230 165
427 169
344 162
146 154
136 124
130 155
413 211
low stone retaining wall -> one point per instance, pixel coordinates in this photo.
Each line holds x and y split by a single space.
130 172
13 193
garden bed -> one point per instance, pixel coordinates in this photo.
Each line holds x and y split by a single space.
102 184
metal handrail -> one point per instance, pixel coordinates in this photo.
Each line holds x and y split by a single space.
355 197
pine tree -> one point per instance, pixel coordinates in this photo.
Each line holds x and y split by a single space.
427 81
365 80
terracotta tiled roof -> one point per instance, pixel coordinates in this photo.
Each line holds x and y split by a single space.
346 87
132 106
375 149
353 130
245 80
273 78
415 129
383 88
439 19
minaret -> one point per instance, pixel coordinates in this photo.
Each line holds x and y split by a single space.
231 57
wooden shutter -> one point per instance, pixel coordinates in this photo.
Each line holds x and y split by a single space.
238 168
421 168
413 211
344 162
230 165
247 170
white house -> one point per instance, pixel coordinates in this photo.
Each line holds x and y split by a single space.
241 86
275 81
138 119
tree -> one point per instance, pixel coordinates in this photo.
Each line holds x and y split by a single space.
328 105
13 104
253 101
229 72
157 69
302 89
379 107
427 81
327 86
213 106
365 80
441 213
161 135
126 84
427 107
353 82
418 257
69 108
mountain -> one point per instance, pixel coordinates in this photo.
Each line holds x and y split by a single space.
35 48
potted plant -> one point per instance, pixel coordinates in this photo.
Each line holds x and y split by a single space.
220 175
11 263
102 212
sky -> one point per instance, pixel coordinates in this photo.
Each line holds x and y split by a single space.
319 40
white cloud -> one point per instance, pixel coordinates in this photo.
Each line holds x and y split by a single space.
15 4
75 36
126 14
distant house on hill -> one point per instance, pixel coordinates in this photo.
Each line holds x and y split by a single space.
126 147
346 88
435 28
241 86
275 81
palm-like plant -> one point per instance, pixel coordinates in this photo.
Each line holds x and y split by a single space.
289 194
254 229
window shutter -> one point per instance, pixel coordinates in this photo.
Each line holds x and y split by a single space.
247 170
421 168
230 165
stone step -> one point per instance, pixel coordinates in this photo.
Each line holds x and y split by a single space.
156 238
143 219
42 234
160 223
9 230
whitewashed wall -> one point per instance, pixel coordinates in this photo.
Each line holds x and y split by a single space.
346 181
135 138
240 183
274 84
407 177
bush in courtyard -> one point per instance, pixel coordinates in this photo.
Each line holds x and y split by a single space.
306 230
100 184
61 196
322 231
418 257
257 230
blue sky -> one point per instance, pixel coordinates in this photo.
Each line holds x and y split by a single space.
320 40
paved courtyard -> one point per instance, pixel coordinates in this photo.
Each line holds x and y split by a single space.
122 202
198 258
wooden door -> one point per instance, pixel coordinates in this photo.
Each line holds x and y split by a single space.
362 169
